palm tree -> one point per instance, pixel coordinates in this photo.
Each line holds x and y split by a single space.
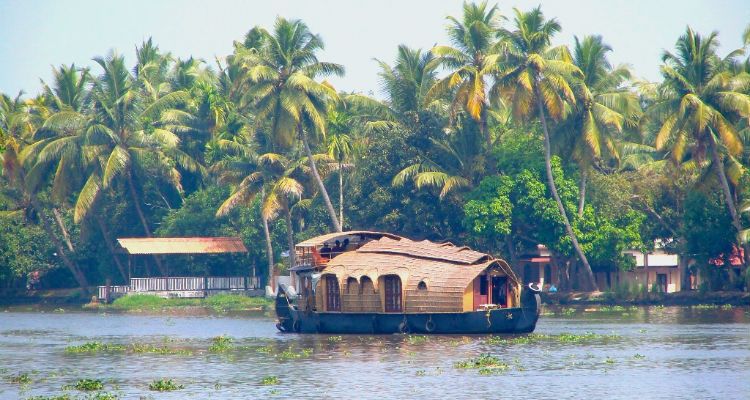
270 175
340 148
18 158
286 95
407 83
700 98
65 154
471 61
602 110
534 77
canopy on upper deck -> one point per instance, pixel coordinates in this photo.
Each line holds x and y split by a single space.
182 245
331 237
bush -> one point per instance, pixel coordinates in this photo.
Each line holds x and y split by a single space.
164 385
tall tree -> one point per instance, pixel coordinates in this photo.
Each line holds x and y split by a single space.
271 176
604 107
471 61
700 98
285 93
537 79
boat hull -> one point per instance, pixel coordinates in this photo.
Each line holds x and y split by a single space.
505 320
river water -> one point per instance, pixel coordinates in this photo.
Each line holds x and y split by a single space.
641 353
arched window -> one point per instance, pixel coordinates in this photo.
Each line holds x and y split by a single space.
352 287
366 287
422 285
333 296
392 285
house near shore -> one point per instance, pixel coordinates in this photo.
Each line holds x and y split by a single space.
657 270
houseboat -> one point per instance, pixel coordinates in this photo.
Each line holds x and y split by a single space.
379 283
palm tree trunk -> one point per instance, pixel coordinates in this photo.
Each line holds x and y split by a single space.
319 181
483 128
142 217
110 246
582 193
137 204
341 195
728 198
72 266
553 189
61 225
269 248
290 236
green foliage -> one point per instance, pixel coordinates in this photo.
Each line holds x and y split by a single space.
270 380
89 385
164 385
159 147
488 210
221 344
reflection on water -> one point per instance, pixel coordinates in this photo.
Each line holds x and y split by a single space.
637 352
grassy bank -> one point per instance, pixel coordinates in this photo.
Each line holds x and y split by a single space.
217 303
691 298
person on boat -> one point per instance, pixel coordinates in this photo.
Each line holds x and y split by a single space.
325 251
345 244
337 248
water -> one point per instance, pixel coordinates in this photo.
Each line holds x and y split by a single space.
669 353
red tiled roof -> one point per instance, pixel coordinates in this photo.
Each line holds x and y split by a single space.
737 258
184 245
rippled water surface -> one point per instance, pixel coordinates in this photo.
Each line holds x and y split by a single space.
646 353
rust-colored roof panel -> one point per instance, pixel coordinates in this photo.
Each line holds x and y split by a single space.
183 245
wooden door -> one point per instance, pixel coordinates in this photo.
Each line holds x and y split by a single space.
481 291
392 293
333 296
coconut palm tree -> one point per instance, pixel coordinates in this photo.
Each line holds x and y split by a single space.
341 147
471 61
604 107
700 100
285 94
535 78
18 159
274 178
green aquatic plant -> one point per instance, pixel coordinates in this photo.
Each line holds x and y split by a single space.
483 361
20 379
290 354
58 397
726 307
141 348
639 356
421 372
221 344
270 380
706 307
335 339
609 360
95 347
88 385
559 338
164 385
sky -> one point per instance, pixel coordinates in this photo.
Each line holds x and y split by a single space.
36 35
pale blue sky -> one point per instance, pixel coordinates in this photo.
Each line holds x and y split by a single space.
37 34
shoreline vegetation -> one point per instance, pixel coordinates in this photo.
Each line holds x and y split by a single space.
494 138
60 301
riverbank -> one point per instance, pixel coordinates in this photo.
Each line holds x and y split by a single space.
687 298
70 299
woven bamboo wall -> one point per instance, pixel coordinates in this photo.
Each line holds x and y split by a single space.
351 301
370 297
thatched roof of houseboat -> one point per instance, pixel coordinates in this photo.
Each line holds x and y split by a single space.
445 268
330 237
